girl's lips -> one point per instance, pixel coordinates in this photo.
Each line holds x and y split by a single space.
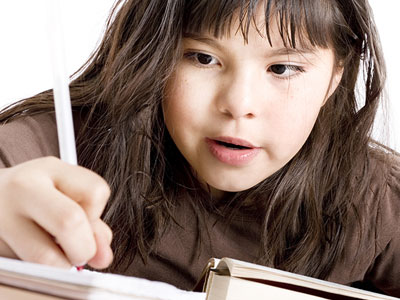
232 156
235 141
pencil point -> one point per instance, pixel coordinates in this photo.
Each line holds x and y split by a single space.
79 268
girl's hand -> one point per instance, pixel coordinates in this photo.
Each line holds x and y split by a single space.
50 214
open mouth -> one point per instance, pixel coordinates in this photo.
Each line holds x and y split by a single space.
232 146
232 151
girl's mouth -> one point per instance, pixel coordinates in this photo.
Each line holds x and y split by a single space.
232 151
232 146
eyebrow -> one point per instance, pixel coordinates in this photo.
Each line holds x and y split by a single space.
203 39
271 52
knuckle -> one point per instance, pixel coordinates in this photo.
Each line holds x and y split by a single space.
24 176
15 181
46 256
50 159
103 190
100 191
49 164
71 220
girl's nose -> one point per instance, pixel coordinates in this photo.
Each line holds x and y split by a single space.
238 96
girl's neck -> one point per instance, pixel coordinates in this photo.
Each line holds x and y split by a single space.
215 193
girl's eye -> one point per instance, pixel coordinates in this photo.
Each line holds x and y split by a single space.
285 71
202 58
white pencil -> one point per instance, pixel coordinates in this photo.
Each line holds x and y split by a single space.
62 100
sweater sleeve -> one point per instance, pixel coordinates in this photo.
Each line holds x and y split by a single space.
28 138
385 271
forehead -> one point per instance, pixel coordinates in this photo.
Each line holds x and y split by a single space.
304 23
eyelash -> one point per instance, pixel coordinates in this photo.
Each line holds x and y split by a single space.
193 57
297 69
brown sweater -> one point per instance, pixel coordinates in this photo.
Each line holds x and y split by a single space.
177 258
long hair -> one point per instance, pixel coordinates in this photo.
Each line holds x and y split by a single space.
304 207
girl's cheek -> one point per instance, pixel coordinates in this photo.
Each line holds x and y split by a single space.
291 125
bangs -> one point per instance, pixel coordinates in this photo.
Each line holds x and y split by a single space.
304 23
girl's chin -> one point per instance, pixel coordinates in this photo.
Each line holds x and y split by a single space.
219 191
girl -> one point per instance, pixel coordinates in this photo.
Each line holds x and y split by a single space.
222 128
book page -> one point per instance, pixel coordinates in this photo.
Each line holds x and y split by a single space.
231 288
242 269
87 284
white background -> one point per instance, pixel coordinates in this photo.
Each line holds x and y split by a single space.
25 65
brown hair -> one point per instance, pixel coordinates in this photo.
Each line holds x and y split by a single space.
305 205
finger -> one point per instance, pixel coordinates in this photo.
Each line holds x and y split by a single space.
83 186
65 220
78 183
6 251
102 228
30 243
104 254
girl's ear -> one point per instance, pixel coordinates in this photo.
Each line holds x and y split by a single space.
336 78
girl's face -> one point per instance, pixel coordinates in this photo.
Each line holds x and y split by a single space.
238 111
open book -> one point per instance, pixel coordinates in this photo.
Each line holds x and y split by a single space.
23 280
229 279
225 279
